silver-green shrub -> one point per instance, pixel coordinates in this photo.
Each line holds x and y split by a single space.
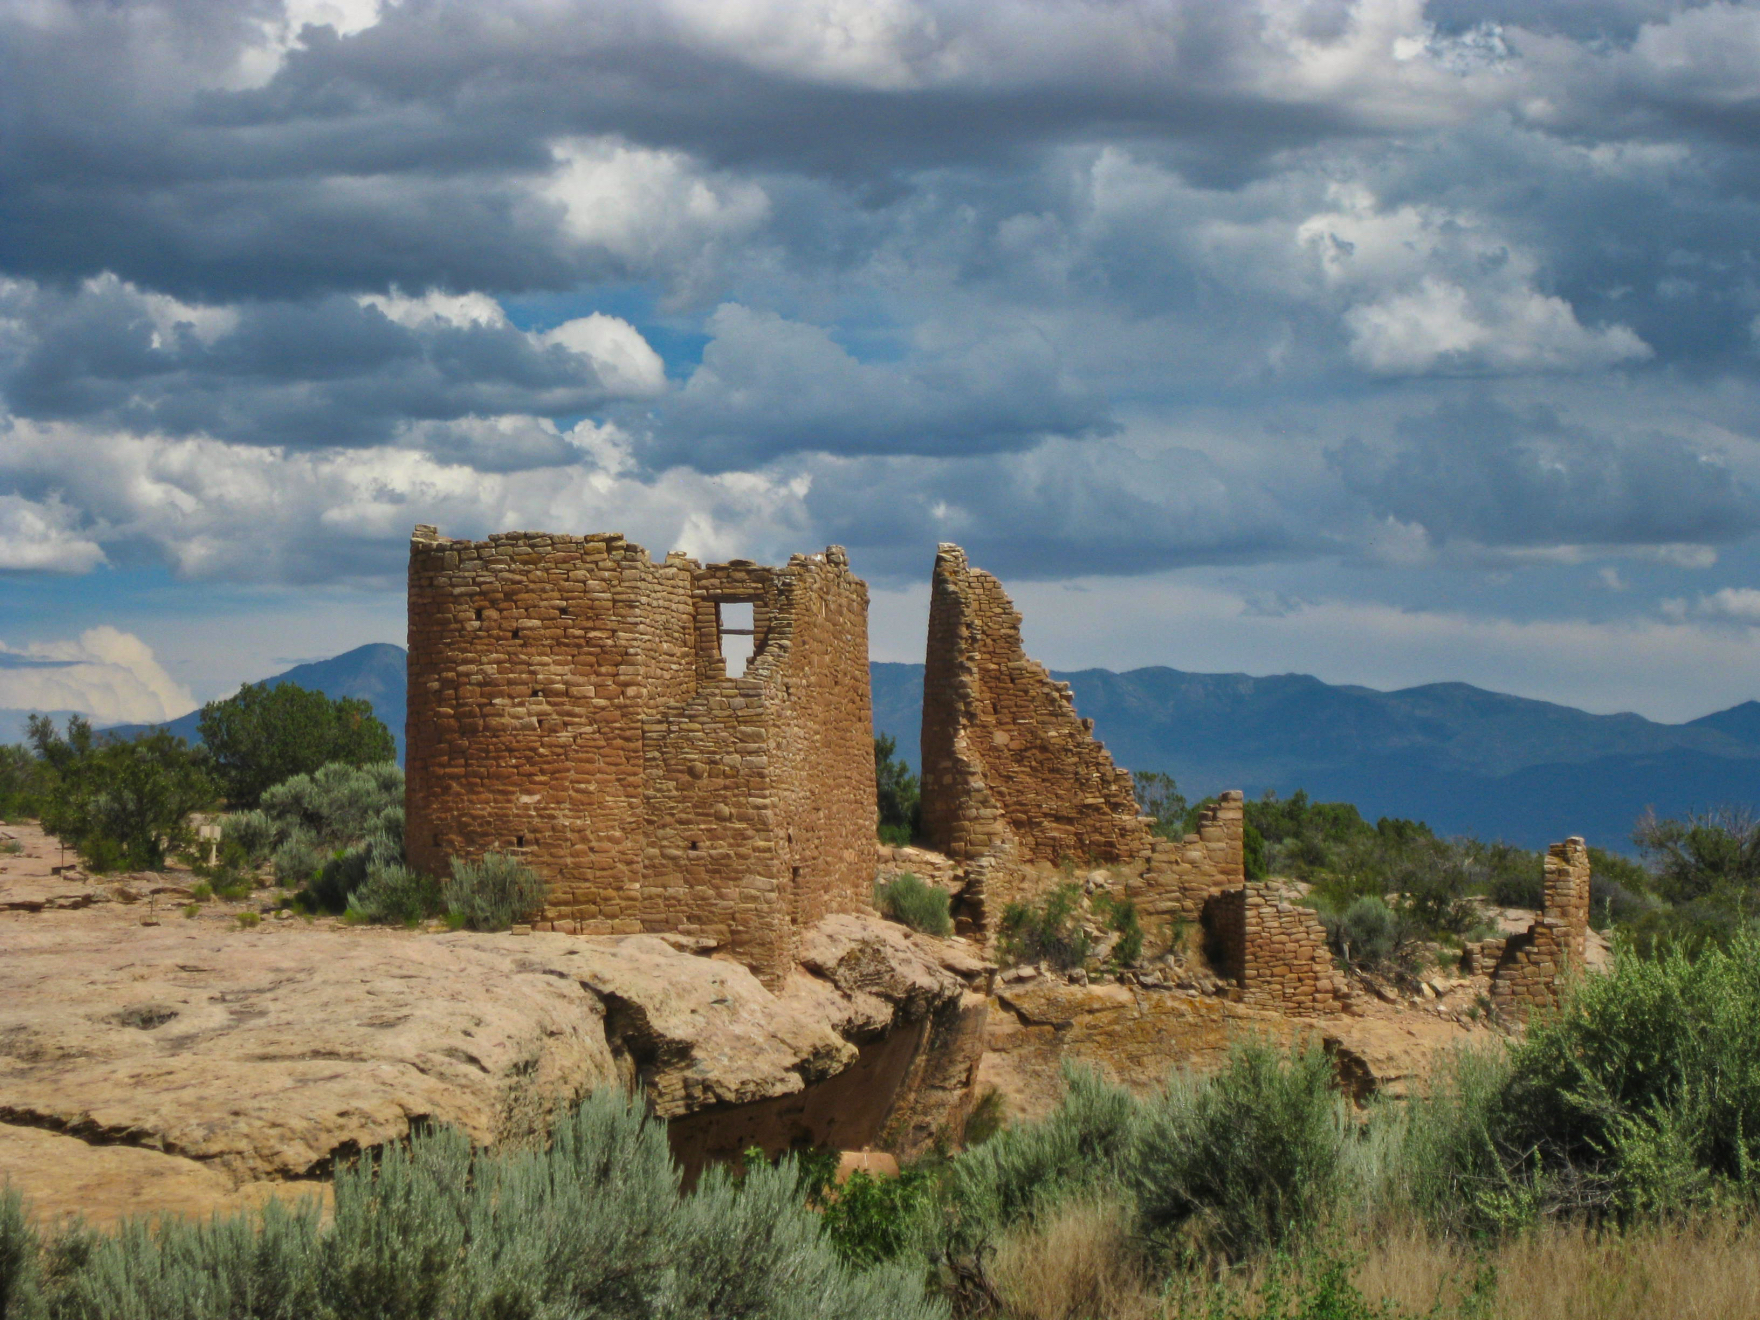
1085 1146
1243 1159
394 894
493 893
252 831
327 830
592 1228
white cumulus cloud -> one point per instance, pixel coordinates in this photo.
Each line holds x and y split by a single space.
43 536
109 675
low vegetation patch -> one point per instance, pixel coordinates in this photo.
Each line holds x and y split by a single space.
593 1225
494 893
906 899
1050 930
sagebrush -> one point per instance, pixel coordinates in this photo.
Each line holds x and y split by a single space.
595 1225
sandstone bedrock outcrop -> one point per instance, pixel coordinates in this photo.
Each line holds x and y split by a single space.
188 1064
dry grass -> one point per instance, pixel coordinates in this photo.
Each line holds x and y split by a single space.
1077 1265
1709 1271
1082 1265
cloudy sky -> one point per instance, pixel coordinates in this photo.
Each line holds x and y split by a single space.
1384 340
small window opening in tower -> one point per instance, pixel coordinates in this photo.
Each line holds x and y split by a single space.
737 638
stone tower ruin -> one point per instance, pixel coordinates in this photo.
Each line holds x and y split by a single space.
570 705
1531 969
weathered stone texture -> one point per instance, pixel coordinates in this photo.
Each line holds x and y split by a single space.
569 704
1275 951
1014 782
1005 756
1531 968
1180 877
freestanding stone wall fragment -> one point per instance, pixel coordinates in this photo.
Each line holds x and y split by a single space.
1015 783
1180 876
1275 952
1004 753
1532 967
569 704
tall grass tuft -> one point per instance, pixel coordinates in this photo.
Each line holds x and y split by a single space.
920 906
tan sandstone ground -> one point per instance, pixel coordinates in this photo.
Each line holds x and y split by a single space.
151 1061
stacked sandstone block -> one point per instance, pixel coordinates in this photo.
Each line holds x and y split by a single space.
1179 877
569 704
1531 971
1287 965
1275 951
1005 756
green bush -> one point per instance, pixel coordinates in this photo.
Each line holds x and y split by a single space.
394 894
592 1226
1086 1144
1648 1079
493 893
1369 934
1246 1159
1714 856
920 906
124 805
265 735
20 1271
873 1219
898 794
1640 1096
252 832
1448 1164
1050 931
326 831
1121 915
24 783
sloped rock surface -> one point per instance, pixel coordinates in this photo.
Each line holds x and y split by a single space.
181 1062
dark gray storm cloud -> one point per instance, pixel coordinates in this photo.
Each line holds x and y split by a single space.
956 269
1494 476
324 372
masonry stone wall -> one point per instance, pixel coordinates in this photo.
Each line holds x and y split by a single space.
1274 950
1180 876
1005 756
1014 783
1532 967
569 704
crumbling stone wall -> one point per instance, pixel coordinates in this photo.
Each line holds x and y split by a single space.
1274 950
569 704
1014 783
1005 756
1532 967
1180 877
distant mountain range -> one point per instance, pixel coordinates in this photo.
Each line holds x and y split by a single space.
1465 760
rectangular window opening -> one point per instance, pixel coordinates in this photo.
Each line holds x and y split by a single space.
737 640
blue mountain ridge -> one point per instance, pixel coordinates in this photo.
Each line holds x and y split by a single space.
1462 759
1465 760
